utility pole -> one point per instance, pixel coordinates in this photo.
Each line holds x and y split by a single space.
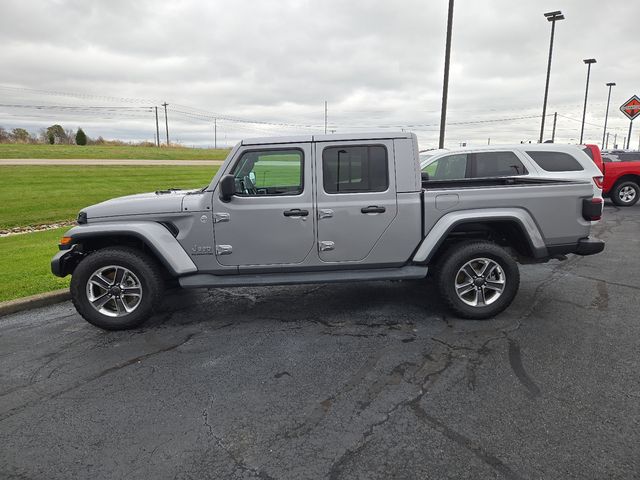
489 141
615 140
588 61
624 142
629 135
553 132
166 121
552 17
445 82
157 128
215 133
606 144
606 115
325 117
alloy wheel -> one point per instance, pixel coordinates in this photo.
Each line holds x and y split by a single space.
114 291
480 282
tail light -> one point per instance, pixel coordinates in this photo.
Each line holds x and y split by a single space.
599 181
592 209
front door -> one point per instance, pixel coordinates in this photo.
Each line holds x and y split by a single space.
269 221
356 198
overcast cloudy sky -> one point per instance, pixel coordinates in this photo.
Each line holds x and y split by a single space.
378 64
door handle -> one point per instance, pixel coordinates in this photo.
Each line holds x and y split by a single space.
296 212
373 209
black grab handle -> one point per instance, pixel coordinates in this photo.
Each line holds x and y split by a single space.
296 212
373 209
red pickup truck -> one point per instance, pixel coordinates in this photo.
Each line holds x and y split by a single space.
621 172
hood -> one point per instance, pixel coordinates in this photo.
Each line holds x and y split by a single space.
161 201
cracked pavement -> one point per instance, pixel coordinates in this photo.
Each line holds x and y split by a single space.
365 380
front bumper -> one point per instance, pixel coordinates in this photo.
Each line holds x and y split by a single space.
63 262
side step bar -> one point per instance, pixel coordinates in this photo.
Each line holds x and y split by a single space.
205 280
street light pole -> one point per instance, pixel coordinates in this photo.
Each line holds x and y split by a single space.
445 82
552 17
157 129
606 115
588 61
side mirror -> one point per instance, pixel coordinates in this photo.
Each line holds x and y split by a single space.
425 176
227 188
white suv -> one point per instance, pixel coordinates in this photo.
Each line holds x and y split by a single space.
543 160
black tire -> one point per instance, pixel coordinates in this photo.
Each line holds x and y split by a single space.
625 194
448 272
145 270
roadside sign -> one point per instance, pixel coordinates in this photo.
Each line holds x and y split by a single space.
631 108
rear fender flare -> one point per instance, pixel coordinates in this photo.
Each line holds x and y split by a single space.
448 222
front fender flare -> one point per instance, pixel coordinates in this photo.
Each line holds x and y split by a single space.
152 234
448 222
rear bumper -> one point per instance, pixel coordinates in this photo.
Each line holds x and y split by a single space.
589 246
584 246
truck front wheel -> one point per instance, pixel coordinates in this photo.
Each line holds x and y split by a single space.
117 288
477 280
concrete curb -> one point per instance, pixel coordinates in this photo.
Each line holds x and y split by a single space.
34 301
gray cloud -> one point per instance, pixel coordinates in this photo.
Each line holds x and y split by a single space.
379 64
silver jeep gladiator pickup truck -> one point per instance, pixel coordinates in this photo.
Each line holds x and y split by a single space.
323 208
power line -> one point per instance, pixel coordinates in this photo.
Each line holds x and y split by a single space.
76 95
73 107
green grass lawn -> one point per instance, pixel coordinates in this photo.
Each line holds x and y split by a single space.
32 195
25 264
110 152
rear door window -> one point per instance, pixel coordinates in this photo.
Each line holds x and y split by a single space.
556 161
449 167
355 169
496 164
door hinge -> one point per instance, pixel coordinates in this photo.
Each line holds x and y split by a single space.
326 245
325 213
221 217
224 249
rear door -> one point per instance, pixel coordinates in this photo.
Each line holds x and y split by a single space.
356 197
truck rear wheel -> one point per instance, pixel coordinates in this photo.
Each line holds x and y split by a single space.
477 280
117 288
625 194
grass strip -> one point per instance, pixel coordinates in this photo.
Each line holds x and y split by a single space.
25 264
110 152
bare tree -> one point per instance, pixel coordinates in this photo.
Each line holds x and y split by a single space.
4 135
70 136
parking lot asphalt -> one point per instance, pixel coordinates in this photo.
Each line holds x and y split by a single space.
358 381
